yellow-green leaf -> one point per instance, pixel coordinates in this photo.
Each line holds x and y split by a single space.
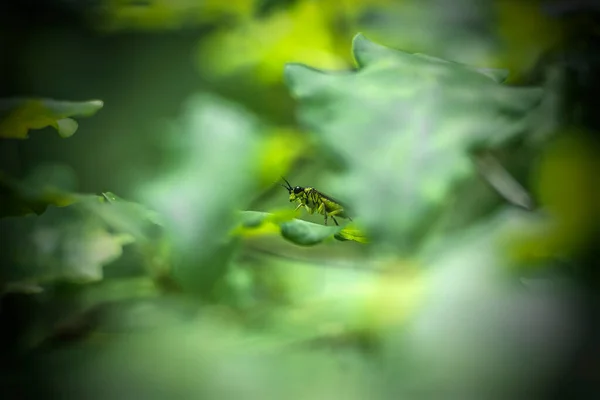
297 231
303 32
19 115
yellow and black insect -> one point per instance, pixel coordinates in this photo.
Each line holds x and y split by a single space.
313 200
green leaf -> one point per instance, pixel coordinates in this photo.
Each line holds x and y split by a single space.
63 243
351 234
53 184
46 184
72 236
125 216
302 233
405 126
469 274
214 148
306 233
19 115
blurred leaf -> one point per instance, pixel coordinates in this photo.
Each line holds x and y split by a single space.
124 215
263 46
368 296
297 231
47 180
46 184
351 234
61 244
567 187
52 184
510 34
19 115
213 149
526 33
501 180
475 313
405 125
109 291
22 287
165 14
280 148
200 360
463 31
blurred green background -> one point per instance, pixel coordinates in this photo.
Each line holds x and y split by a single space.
148 249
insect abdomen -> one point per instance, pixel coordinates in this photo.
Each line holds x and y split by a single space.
316 199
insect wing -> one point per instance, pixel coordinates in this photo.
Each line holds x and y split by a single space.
327 197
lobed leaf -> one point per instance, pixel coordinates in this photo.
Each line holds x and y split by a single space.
405 125
61 244
55 235
19 115
214 148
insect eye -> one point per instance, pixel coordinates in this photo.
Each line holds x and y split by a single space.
297 189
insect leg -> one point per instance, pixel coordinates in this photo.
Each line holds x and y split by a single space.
332 215
321 209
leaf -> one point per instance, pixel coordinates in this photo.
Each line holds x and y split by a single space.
264 45
302 233
72 236
351 234
126 216
19 115
566 184
214 148
528 32
306 233
61 244
53 184
476 322
462 34
280 149
503 182
46 184
405 125
200 352
466 32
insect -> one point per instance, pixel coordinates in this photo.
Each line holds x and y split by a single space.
313 200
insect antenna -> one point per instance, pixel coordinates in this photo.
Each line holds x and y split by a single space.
288 187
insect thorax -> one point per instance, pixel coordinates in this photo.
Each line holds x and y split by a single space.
311 197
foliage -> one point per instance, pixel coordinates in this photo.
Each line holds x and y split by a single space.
423 117
18 116
296 231
203 281
60 244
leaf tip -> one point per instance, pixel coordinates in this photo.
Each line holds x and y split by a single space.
66 127
301 79
496 74
98 104
93 106
367 52
358 38
361 49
